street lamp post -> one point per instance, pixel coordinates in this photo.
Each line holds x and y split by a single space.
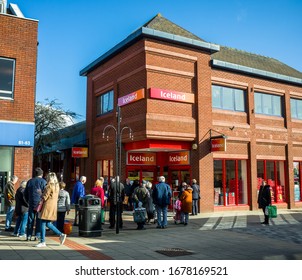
118 158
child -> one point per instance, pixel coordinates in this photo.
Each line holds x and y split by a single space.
177 208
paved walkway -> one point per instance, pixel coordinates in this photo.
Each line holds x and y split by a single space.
208 236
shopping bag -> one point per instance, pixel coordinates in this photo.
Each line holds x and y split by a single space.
39 207
139 215
126 199
103 215
272 211
67 227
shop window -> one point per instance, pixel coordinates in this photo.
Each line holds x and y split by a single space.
105 170
273 172
296 108
104 103
227 98
7 73
268 104
230 182
298 181
6 166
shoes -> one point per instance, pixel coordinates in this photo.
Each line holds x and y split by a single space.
15 234
22 236
264 223
185 224
158 227
28 238
62 238
9 229
111 227
41 244
163 227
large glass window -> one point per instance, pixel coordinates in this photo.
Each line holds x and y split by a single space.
230 182
298 181
104 103
6 165
7 73
296 108
273 172
105 170
227 98
268 104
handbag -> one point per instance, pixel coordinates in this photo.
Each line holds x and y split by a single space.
272 211
39 207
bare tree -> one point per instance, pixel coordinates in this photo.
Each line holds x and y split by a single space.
50 117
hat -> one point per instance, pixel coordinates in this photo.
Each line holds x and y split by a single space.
38 171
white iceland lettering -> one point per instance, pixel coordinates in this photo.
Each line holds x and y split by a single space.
171 95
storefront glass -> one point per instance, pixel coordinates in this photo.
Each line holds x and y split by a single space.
230 182
105 169
273 172
297 181
6 165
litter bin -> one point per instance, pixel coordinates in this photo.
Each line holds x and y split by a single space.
90 216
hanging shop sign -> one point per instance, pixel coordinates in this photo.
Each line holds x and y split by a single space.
141 158
79 152
218 144
131 97
171 95
179 158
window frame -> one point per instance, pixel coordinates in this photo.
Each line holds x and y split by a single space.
4 93
274 110
100 100
235 100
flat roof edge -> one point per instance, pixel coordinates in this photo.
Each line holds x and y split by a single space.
255 71
21 18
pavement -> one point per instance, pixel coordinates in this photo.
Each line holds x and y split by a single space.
236 235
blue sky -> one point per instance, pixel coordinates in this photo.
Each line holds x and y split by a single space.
73 33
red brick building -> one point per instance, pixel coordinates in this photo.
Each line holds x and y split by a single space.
225 117
18 63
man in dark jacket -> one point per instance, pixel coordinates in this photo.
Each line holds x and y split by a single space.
9 199
32 194
161 198
195 196
264 200
115 198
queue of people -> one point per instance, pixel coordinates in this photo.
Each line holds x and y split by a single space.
31 221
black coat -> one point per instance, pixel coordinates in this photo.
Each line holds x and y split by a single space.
21 204
264 196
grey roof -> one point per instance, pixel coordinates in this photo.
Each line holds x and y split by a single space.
223 57
255 64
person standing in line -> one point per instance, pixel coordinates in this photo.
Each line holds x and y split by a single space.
196 197
149 204
49 209
141 194
186 204
161 198
264 200
128 193
77 193
9 199
116 197
98 191
32 193
63 206
21 211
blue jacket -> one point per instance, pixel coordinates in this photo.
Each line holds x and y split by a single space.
162 194
78 192
33 191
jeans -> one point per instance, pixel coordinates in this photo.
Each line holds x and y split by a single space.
32 216
44 224
60 221
162 212
9 216
195 206
184 217
76 217
21 224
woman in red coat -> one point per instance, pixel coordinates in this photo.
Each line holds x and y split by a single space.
186 199
98 191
